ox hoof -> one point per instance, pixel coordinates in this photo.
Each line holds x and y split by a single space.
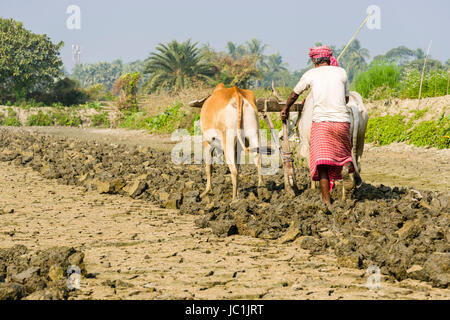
347 180
357 179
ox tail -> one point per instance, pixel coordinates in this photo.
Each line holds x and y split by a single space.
354 132
239 102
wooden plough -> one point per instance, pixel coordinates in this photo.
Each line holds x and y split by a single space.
265 106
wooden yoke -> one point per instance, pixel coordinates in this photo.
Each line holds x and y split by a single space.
263 105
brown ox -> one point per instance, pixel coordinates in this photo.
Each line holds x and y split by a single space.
226 115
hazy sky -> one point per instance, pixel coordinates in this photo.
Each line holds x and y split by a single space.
131 29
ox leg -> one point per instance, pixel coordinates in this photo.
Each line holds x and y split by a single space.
230 149
348 180
343 192
254 149
207 151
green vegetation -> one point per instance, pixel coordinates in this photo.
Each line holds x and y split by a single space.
174 117
397 75
379 81
104 73
100 120
28 62
32 76
66 119
176 66
10 119
434 84
40 119
135 120
431 133
126 86
388 129
167 121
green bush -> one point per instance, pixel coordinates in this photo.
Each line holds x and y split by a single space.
12 122
66 119
167 121
386 130
431 133
67 92
91 105
100 120
40 119
434 84
195 129
135 120
380 81
11 119
95 92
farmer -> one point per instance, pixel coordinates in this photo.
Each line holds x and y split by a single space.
330 149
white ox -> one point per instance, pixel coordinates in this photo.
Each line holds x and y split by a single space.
358 125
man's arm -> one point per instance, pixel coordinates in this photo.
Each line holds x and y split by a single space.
285 112
301 87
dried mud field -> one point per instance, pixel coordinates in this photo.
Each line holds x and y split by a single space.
113 204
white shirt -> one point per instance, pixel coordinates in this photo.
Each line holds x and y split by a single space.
329 87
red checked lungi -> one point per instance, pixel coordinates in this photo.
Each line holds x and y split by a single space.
331 146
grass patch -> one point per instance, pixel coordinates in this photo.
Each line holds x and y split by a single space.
389 129
66 119
431 133
10 119
171 119
100 120
380 81
386 130
135 120
40 119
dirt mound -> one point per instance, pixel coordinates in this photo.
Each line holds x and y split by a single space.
404 232
38 275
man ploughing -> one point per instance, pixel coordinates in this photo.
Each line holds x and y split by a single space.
330 143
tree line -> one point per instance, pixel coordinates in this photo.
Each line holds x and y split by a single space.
177 65
31 67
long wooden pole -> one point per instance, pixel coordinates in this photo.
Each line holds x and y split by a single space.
448 79
435 81
423 73
353 38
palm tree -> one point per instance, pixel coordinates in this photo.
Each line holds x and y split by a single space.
275 63
274 69
419 53
354 59
236 51
176 66
256 48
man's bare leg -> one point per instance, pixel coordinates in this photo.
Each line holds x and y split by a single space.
324 183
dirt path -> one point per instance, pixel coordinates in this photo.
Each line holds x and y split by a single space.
149 253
